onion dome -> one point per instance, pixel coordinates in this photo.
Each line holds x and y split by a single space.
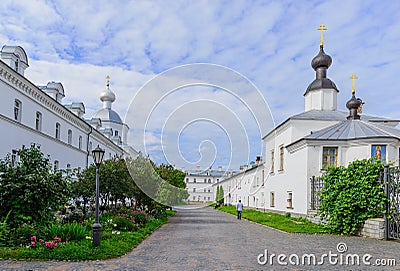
354 104
106 113
321 60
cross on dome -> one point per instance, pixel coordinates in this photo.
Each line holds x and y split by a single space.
353 79
322 28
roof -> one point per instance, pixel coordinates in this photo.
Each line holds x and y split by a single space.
331 115
354 129
107 114
334 115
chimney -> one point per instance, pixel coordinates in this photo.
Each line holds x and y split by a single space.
258 160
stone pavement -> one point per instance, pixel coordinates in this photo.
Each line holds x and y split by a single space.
205 239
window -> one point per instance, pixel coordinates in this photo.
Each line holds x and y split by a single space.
16 64
56 165
204 190
209 191
217 180
90 146
194 189
205 180
194 197
209 180
208 198
80 142
194 180
58 128
290 200
272 199
187 180
14 157
281 154
17 110
116 133
329 156
38 121
272 161
69 136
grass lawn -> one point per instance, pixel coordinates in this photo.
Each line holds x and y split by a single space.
277 221
112 245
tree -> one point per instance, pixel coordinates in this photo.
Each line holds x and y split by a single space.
219 195
31 188
352 195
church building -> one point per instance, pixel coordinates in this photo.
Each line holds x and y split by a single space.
305 144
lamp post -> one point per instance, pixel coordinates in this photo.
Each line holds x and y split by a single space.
98 155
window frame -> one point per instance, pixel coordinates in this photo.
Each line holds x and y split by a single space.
38 121
17 110
324 165
58 130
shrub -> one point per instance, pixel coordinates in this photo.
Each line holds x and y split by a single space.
67 232
124 224
352 195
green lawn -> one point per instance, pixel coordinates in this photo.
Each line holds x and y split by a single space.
277 221
112 245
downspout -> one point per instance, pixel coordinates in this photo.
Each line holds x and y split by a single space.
87 146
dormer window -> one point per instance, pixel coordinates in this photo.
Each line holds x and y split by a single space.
16 64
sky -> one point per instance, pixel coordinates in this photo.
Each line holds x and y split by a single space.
200 82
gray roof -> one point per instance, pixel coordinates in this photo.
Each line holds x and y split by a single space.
331 115
354 129
107 114
334 115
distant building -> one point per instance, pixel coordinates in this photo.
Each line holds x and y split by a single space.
201 184
31 114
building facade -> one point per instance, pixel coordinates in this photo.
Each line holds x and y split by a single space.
31 114
304 145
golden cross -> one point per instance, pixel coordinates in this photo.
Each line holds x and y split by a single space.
322 28
108 81
353 86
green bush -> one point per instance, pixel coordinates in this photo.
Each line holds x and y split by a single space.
67 232
124 224
352 195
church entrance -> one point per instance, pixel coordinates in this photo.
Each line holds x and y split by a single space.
391 176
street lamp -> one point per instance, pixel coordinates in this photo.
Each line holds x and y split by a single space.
98 155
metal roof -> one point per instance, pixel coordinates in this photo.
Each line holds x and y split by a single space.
354 129
107 114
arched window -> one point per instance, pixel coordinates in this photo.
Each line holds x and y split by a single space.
90 146
56 165
80 142
58 129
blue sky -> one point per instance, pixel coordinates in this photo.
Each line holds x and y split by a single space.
270 43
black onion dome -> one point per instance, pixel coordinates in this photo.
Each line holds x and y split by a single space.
353 103
321 60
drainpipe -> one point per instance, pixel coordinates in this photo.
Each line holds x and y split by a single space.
87 146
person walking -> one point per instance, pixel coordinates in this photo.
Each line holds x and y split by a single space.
239 209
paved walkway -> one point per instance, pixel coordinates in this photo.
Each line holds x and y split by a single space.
205 239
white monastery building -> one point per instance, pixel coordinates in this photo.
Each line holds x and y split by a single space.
31 114
305 144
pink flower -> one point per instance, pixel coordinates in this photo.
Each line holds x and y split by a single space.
33 244
57 239
48 244
41 240
54 244
33 238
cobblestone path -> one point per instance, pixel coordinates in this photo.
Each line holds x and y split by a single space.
205 239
